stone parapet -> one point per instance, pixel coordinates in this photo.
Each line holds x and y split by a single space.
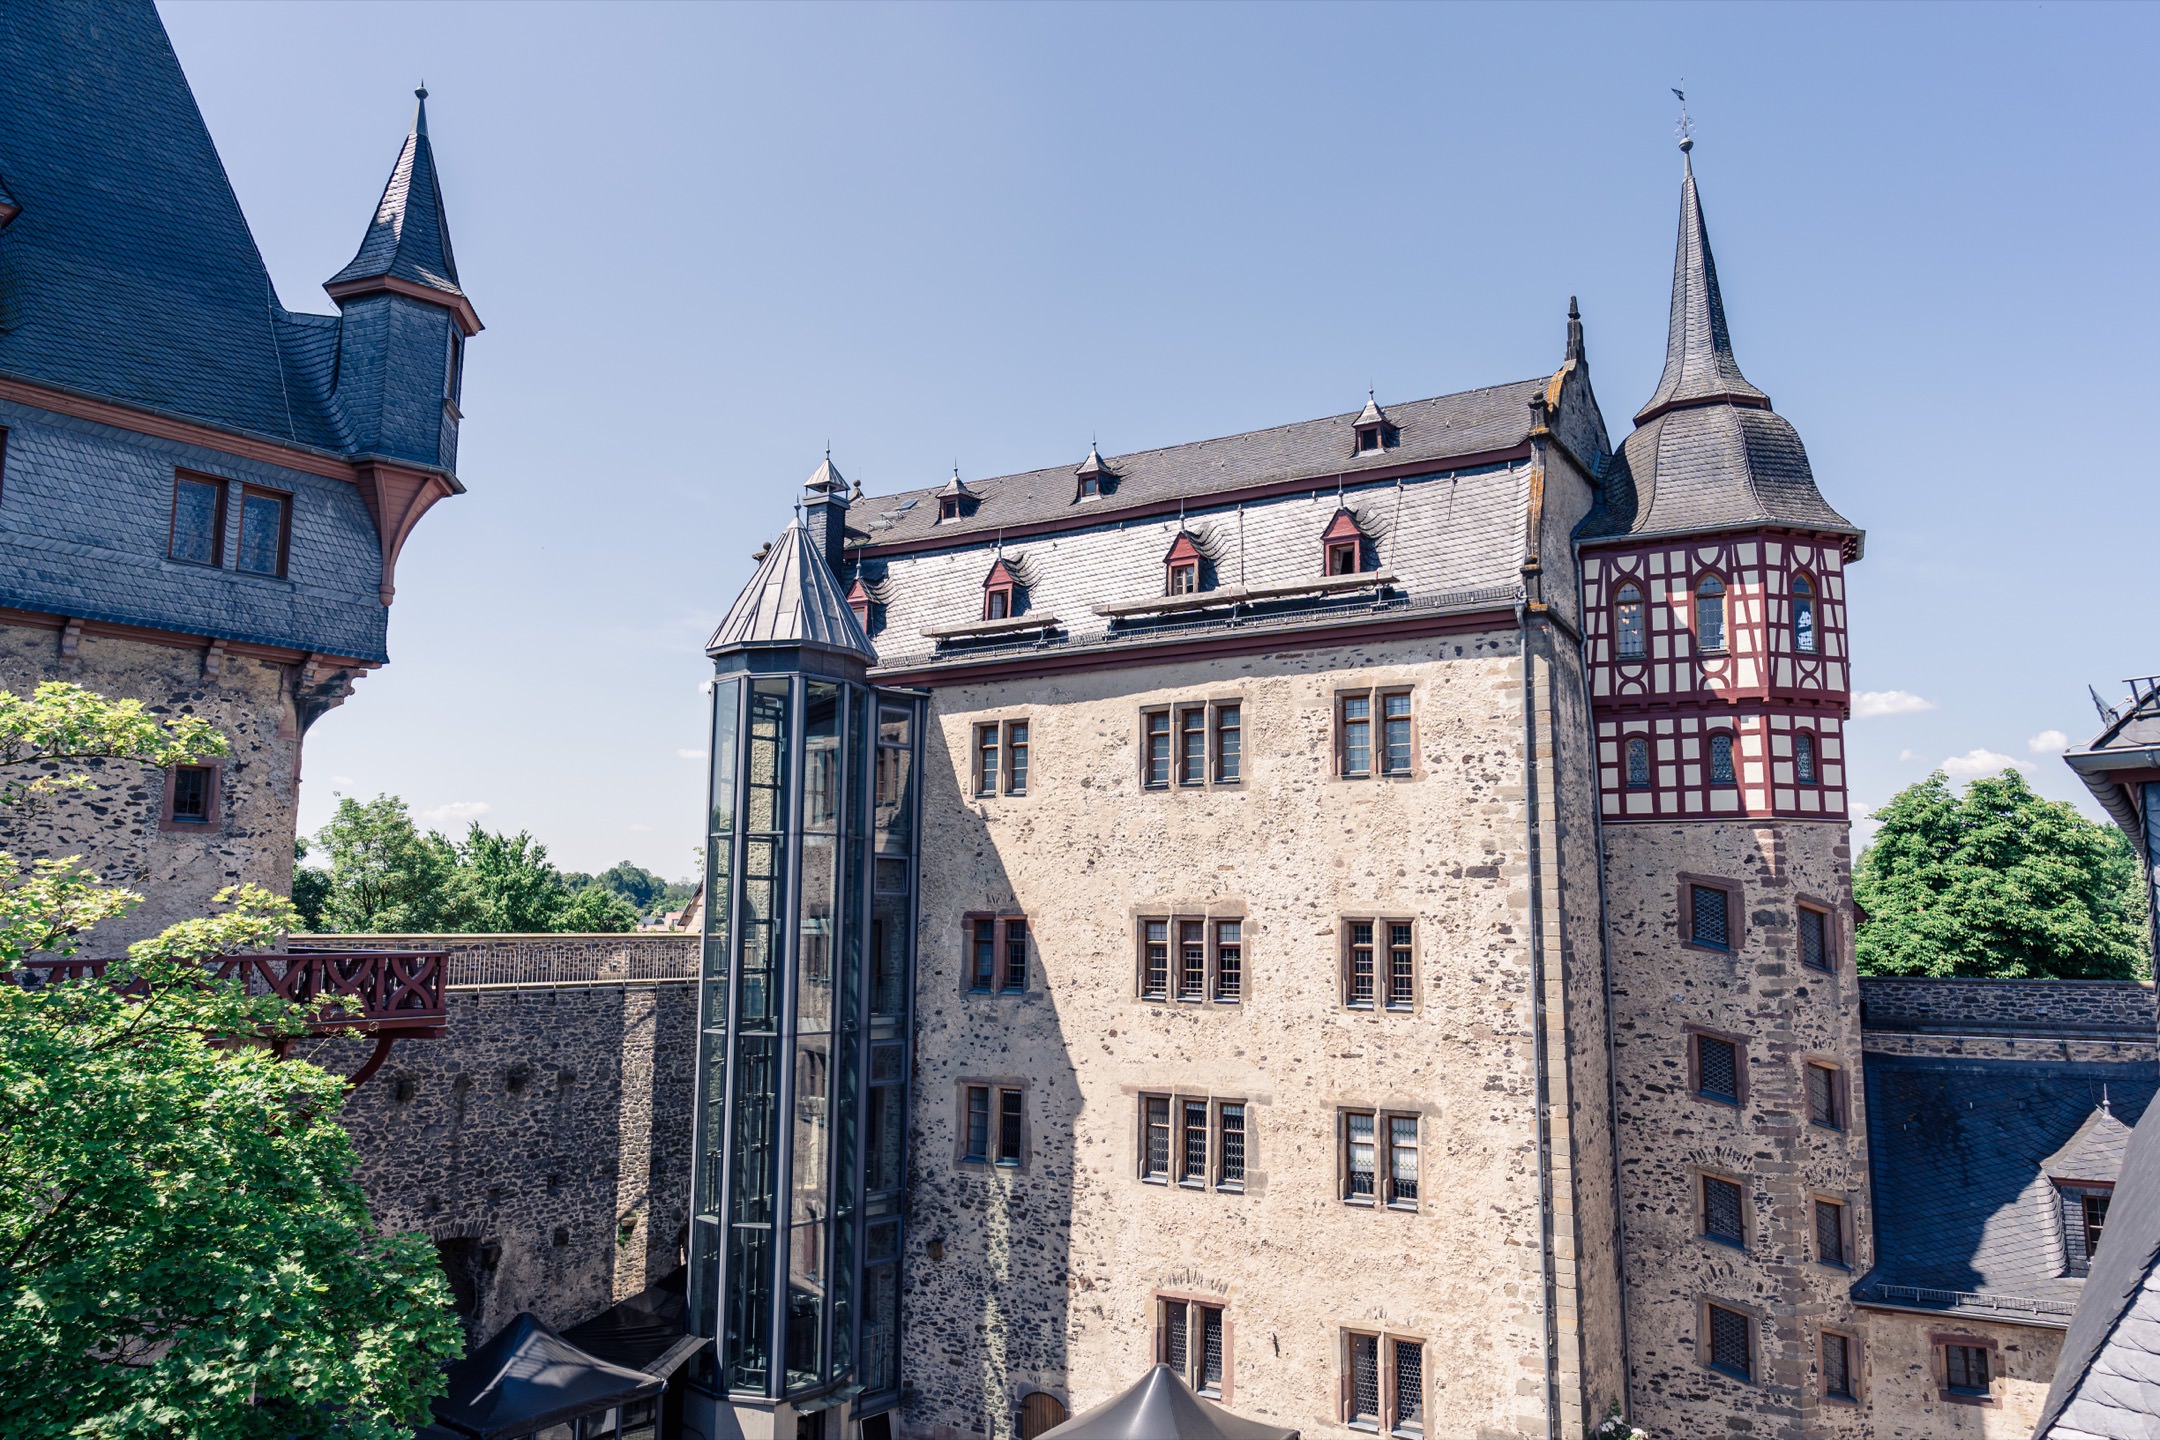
538 960
2065 1009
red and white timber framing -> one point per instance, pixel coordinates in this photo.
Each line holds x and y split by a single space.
1760 688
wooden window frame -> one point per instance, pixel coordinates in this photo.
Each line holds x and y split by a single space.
1167 714
948 508
1181 577
1160 1302
1745 1202
1629 746
1383 1158
1210 923
2079 1191
1695 1035
1836 1091
1706 1349
217 521
1218 1156
1940 1342
1724 598
213 820
1387 1395
1383 946
1855 1367
1188 766
1183 770
1808 904
1002 734
1816 1203
993 1158
1376 721
1792 618
1216 730
1001 952
1813 780
284 540
1642 622
1735 912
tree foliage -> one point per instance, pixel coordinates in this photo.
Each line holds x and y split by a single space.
640 888
184 1251
1998 882
387 876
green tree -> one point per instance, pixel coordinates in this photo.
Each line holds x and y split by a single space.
184 1252
641 889
385 876
1998 882
512 889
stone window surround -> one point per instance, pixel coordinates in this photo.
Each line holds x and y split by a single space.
1845 1231
1160 1300
1002 726
1840 1093
1207 914
1694 1066
1833 946
1855 1366
1702 1337
1383 1156
1001 955
1376 740
1384 1358
1379 920
997 1085
1939 1342
213 822
1699 1177
1735 911
1178 1099
1212 760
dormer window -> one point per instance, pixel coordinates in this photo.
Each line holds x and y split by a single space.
1374 431
1181 567
1344 544
858 600
1096 479
997 604
954 500
1001 593
1090 487
949 508
1185 579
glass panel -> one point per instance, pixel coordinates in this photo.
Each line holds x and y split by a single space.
1837 1365
1016 757
978 1123
889 944
1158 748
1396 711
1192 746
982 967
1155 970
1804 758
1709 906
814 955
881 1328
1721 766
1361 962
1402 968
262 533
1710 615
1638 764
895 777
1717 1067
1721 1210
1174 1350
1803 616
821 756
195 521
1229 960
1829 1233
1364 1379
1016 936
1231 1171
727 721
1402 1160
986 759
1357 735
1192 959
764 805
1229 726
1359 1160
1155 1144
1011 1126
1211 1347
747 1350
1192 1162
1409 1387
888 1130
1729 1341
1628 623
805 1303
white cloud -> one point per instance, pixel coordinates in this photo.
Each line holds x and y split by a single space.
341 781
691 754
457 812
1980 762
1909 755
1869 704
2048 742
704 687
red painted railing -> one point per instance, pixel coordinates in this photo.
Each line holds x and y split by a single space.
400 991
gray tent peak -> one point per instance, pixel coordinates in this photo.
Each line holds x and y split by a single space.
1160 1407
793 601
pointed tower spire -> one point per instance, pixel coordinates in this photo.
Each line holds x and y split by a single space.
1699 364
1574 332
407 246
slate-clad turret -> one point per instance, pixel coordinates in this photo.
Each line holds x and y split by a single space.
406 318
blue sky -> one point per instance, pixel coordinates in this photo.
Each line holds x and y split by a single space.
707 240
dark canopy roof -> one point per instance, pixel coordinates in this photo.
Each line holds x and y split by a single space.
646 1332
1159 1407
2108 1379
529 1376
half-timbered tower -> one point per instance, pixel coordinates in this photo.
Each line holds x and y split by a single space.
1714 627
202 493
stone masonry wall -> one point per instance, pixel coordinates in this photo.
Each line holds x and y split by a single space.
2067 1008
1044 1276
115 827
544 1142
1784 1015
1901 1394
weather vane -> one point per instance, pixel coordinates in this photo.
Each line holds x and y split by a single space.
1686 128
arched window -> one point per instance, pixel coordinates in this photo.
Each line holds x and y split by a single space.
1721 766
1803 756
1628 622
1710 615
1803 616
1638 764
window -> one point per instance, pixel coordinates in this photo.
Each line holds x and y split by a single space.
1189 747
1193 957
1011 738
1342 558
1197 1142
1359 972
1721 766
1402 967
1966 1370
994 1128
1709 917
1357 752
1638 764
1192 1142
997 954
1825 1096
198 521
1344 544
1715 1070
949 508
1838 1367
1184 578
1155 1137
1364 1382
1090 487
1731 1342
1386 1378
1192 745
2093 1214
191 797
1814 927
1803 616
997 604
1194 1343
1230 1146
3 459
1156 756
1368 440
1710 615
1366 1133
1803 757
2084 1217
1722 1218
265 530
1830 1248
1229 739
1628 622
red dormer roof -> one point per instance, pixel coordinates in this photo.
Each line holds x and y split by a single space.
1343 527
1182 550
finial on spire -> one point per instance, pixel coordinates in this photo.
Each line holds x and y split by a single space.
1686 127
419 120
2104 1099
1574 330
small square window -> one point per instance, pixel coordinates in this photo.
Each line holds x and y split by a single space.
1732 1337
1814 938
1185 578
1716 1069
1722 1215
1826 1096
1709 917
191 794
1966 1369
1837 1366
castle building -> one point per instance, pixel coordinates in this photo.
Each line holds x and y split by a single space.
1359 913
202 493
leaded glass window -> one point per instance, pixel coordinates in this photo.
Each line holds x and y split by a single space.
1731 1342
198 521
1155 961
1357 735
1708 910
1721 1215
1717 1069
1837 1366
1830 1232
1710 615
1638 764
1402 967
1628 622
1361 963
1402 1160
1358 1157
1803 615
1231 1146
1803 750
1966 1369
1409 1387
1155 1138
1192 959
1364 1380
1721 762
1229 960
1192 1164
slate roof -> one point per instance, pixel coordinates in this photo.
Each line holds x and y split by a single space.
1966 1222
2130 740
793 600
1159 1406
133 272
1708 452
2107 1379
409 238
1474 422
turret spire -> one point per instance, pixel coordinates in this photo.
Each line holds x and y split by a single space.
407 246
1699 364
